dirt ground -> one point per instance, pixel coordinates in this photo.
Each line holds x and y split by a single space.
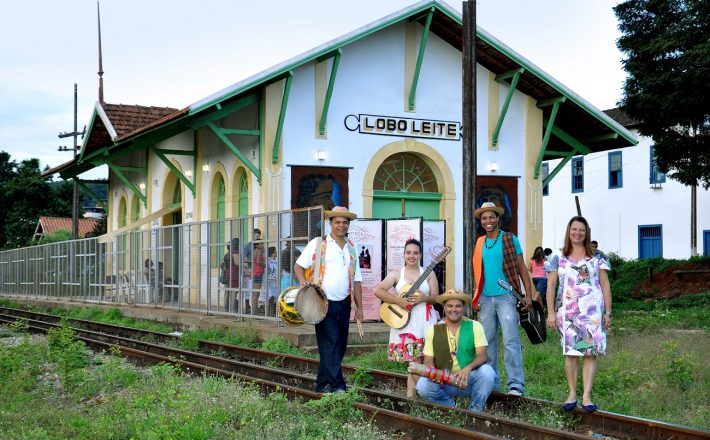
669 284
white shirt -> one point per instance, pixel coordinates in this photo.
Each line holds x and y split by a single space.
336 280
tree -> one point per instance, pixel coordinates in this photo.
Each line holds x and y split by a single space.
667 48
24 197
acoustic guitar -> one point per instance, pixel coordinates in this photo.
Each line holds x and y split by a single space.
396 316
532 321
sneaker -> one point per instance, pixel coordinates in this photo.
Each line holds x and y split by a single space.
515 392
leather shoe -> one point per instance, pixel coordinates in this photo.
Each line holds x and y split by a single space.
569 406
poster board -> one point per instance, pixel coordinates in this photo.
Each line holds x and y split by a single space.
366 235
397 233
433 242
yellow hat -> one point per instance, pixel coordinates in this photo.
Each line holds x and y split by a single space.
453 294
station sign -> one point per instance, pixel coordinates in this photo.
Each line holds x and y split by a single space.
403 127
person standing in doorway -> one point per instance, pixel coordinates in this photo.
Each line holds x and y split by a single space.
498 256
340 279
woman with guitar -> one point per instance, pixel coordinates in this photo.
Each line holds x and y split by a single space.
407 341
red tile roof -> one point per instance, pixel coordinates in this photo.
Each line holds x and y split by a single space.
50 225
129 118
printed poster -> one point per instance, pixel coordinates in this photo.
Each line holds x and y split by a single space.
366 235
398 232
434 241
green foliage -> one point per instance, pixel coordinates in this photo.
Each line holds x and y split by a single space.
679 370
246 337
65 350
111 399
361 377
667 49
19 325
279 344
54 237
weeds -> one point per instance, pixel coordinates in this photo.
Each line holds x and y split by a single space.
65 350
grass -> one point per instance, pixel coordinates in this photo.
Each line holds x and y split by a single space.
105 397
653 367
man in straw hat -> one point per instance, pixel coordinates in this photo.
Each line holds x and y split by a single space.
457 344
498 256
340 279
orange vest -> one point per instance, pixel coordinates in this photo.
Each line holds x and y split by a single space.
478 269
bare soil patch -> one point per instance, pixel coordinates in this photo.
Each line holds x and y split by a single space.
666 284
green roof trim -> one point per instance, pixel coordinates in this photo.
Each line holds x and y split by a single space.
412 11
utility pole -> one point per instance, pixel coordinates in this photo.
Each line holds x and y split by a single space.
75 195
468 141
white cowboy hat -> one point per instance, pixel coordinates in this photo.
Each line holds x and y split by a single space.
488 206
340 211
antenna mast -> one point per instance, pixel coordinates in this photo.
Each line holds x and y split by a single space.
101 68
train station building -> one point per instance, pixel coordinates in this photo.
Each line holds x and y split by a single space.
370 120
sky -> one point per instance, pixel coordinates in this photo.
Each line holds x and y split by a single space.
175 52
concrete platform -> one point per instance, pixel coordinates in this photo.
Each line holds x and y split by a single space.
375 333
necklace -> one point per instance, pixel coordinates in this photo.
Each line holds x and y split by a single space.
494 241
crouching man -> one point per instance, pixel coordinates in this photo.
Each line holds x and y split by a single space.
458 345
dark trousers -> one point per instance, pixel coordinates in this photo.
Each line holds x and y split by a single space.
332 337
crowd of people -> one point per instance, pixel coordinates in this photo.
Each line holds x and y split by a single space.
466 350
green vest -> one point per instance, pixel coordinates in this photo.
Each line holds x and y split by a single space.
466 351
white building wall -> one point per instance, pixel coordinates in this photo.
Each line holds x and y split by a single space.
370 80
615 215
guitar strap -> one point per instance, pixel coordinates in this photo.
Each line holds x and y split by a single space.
510 263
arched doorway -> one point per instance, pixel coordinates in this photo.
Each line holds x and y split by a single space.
242 194
218 206
122 241
405 186
169 255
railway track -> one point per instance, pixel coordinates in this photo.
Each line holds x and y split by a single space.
389 410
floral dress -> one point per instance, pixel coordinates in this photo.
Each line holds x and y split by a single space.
407 343
580 305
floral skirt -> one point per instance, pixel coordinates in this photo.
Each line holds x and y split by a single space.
407 350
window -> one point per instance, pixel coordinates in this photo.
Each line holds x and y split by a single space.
656 176
545 173
577 174
616 179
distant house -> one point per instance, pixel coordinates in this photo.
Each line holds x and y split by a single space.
633 209
50 225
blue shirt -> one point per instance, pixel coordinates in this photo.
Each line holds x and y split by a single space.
493 265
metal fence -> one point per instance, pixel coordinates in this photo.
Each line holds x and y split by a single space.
215 267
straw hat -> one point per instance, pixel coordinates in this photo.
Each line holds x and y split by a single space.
340 211
453 294
488 206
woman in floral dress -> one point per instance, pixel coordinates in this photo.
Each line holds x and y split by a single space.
407 344
582 312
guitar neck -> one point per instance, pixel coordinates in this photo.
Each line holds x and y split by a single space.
426 272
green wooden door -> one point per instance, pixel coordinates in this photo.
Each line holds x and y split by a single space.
390 204
404 186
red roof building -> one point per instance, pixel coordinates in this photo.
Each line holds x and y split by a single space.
50 225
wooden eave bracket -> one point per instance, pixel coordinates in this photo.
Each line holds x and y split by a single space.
228 143
515 75
161 155
282 117
119 173
329 91
420 60
555 102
